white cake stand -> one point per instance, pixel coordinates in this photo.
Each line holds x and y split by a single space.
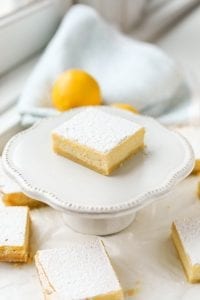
93 203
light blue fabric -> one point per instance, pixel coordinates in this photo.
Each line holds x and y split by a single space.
127 70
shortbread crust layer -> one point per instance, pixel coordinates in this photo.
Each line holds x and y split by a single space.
104 164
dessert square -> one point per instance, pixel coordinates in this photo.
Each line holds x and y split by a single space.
14 234
185 235
78 271
12 194
98 140
192 134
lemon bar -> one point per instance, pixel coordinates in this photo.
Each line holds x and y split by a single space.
186 238
192 134
14 234
12 194
98 140
78 271
198 189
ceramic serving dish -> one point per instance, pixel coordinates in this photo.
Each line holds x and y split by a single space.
94 203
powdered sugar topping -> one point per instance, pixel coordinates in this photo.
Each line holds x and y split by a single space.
98 130
13 225
79 271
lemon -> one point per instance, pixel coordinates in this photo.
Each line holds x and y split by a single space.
75 88
126 107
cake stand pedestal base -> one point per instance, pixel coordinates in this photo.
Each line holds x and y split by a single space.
104 226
